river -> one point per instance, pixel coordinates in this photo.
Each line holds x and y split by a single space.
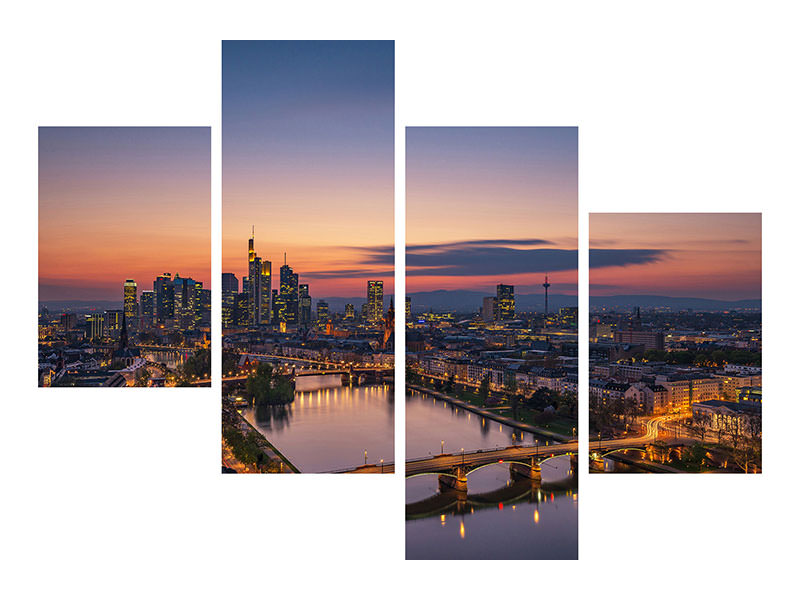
329 426
499 517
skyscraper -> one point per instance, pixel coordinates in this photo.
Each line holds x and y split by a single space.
258 284
94 325
165 297
349 312
305 303
289 294
230 283
408 310
506 309
374 301
264 293
148 307
129 300
322 311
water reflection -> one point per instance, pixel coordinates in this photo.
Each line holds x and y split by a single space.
434 426
501 515
329 426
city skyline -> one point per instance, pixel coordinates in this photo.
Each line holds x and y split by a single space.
704 255
308 146
456 180
114 202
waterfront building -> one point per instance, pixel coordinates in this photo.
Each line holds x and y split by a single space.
732 418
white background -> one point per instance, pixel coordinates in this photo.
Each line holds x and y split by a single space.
682 106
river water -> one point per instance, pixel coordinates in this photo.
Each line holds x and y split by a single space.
499 517
329 426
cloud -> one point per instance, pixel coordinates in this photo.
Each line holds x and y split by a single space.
611 257
490 258
347 273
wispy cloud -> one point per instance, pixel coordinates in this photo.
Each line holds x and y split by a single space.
621 257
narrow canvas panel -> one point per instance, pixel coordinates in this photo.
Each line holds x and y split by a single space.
491 343
308 256
124 256
675 342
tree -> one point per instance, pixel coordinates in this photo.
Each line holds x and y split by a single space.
450 383
510 382
141 377
483 390
265 388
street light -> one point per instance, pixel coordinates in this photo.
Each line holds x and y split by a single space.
442 446
381 465
365 457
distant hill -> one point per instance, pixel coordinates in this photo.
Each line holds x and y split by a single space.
80 305
645 301
472 301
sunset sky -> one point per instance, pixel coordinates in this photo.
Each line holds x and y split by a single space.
489 205
122 202
308 159
703 255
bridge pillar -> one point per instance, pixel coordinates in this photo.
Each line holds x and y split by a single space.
457 483
573 462
532 471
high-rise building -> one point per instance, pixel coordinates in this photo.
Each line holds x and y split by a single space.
113 322
129 300
264 293
375 301
165 297
258 285
289 295
489 309
277 305
365 312
506 309
322 311
228 309
241 315
408 310
147 302
304 303
349 312
230 283
94 326
68 321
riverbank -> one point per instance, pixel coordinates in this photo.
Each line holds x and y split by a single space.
233 418
489 415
